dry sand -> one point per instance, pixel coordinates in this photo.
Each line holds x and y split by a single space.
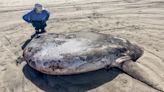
140 21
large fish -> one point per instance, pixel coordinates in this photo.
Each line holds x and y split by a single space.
79 52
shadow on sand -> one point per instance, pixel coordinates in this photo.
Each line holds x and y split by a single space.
70 83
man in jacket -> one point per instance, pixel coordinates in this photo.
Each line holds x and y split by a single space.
37 17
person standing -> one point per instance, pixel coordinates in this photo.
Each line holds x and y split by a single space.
38 18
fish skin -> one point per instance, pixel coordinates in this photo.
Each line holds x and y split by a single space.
78 52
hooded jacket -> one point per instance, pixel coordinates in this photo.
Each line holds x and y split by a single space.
33 16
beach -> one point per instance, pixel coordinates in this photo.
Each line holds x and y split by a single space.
139 21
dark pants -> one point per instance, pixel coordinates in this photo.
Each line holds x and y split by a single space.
39 27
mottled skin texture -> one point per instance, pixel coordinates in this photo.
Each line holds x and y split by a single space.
78 52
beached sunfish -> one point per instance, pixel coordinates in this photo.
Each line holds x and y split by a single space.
78 52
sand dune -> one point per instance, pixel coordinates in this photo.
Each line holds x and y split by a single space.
140 21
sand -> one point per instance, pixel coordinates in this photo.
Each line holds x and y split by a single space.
139 21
